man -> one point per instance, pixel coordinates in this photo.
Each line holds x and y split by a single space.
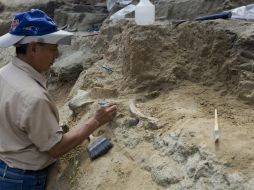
30 136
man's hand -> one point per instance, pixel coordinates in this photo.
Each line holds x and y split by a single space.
74 137
105 114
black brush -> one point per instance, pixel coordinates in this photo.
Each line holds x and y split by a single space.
98 146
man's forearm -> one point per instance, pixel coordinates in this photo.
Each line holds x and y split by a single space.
73 138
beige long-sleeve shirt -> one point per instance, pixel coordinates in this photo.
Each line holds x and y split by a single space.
29 120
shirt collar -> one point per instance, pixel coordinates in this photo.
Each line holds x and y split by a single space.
30 71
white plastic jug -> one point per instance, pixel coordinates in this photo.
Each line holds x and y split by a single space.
144 13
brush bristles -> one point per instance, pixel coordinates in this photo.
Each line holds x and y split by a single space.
99 147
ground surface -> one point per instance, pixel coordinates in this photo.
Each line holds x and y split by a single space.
188 108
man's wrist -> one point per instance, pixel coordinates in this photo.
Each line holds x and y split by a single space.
95 122
91 125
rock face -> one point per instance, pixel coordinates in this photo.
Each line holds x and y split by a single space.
84 15
68 68
161 55
77 15
190 9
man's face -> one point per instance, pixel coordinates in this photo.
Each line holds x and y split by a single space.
44 56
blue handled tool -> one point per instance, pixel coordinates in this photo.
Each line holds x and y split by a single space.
223 15
103 103
108 69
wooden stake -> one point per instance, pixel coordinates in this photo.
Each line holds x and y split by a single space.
216 127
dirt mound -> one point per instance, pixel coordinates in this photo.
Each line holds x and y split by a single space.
161 56
179 154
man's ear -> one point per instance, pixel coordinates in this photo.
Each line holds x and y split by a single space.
31 51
